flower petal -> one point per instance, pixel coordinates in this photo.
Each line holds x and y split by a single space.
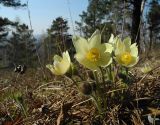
95 39
66 56
57 58
117 58
127 43
120 47
80 44
52 69
134 61
109 47
134 50
62 67
111 39
105 59
82 60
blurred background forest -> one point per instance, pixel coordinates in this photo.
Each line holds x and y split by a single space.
139 19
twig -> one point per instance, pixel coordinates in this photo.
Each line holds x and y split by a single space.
70 16
5 88
47 84
29 16
81 102
116 90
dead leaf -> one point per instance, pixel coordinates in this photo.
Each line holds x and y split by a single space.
64 113
154 111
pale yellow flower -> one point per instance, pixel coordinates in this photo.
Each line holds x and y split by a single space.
61 64
92 53
147 68
126 54
113 41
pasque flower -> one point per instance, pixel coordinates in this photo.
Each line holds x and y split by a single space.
126 54
113 41
92 53
146 68
61 64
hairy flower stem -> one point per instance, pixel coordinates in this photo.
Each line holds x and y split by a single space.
95 76
110 73
103 95
100 97
98 104
103 78
126 71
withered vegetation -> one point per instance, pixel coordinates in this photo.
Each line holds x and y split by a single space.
35 99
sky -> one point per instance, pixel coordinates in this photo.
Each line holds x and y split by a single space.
43 12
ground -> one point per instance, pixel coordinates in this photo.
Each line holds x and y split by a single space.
39 98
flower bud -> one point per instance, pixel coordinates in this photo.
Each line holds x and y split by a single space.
122 76
86 88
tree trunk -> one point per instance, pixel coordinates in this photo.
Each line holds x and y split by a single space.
151 40
136 16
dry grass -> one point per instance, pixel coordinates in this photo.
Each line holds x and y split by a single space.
31 99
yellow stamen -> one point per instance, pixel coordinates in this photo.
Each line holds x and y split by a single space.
126 58
93 55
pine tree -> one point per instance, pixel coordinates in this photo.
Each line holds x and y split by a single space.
58 39
105 15
117 16
92 18
22 46
12 3
4 23
154 22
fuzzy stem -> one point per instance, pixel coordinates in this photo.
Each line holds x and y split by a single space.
126 71
110 73
103 95
103 78
98 90
97 103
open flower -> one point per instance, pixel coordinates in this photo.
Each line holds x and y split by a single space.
61 64
126 53
91 53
